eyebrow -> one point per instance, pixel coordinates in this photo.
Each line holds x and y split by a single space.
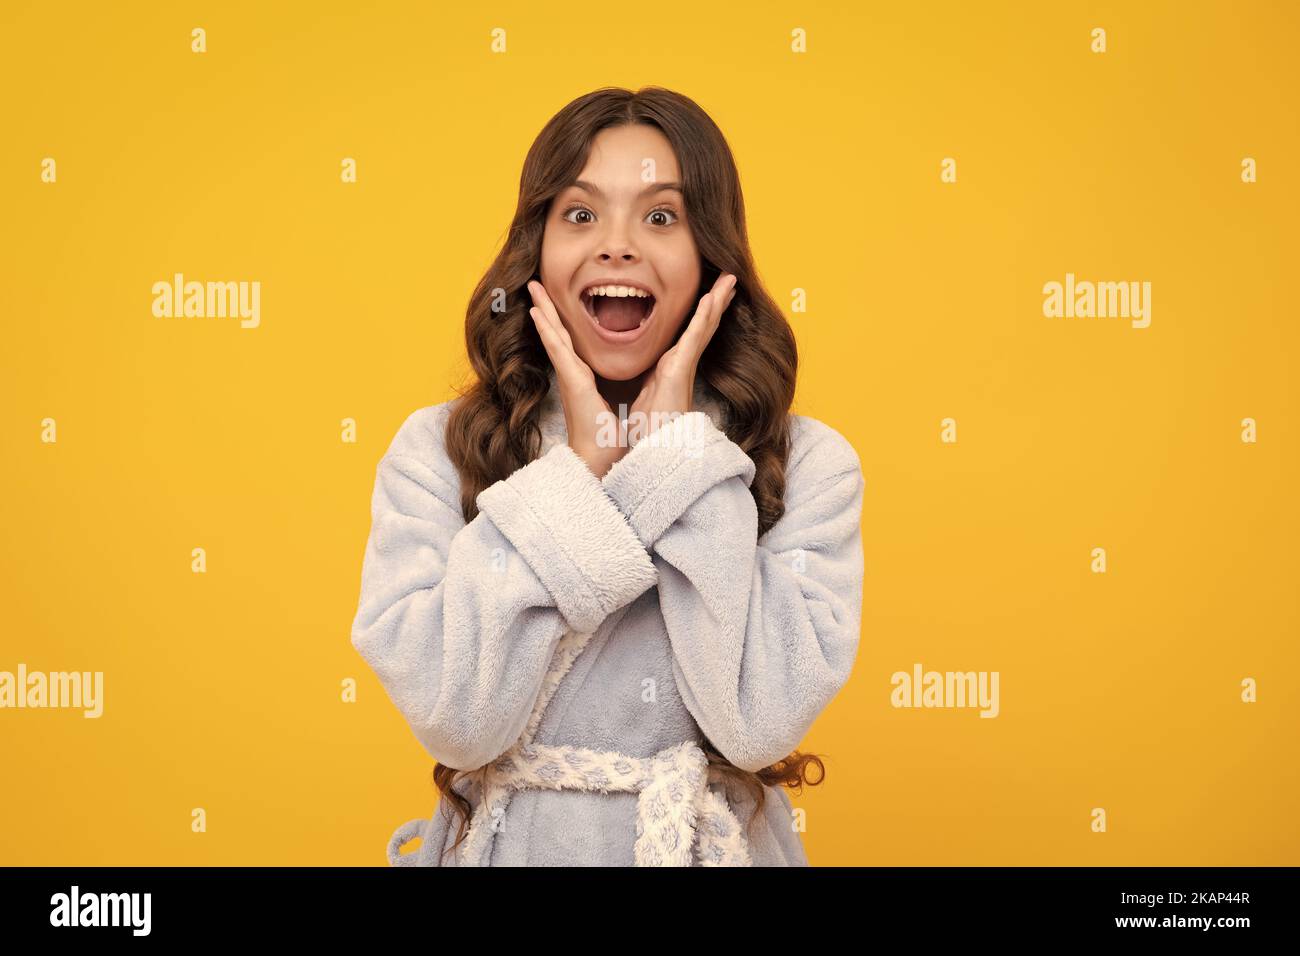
652 188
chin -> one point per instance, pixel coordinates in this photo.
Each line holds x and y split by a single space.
617 368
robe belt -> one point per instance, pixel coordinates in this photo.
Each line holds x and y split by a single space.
676 810
677 813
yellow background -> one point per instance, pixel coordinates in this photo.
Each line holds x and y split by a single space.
222 690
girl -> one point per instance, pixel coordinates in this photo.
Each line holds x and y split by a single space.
613 583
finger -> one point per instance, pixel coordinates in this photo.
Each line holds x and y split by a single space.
567 364
707 316
550 341
572 370
554 337
538 294
720 297
543 300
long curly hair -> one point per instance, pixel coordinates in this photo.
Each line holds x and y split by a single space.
750 362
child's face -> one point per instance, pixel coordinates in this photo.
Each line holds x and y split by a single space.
631 231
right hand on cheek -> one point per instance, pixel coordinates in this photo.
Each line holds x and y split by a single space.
585 409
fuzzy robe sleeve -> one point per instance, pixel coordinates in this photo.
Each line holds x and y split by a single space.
763 632
459 621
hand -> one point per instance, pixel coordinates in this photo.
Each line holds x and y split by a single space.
669 389
585 409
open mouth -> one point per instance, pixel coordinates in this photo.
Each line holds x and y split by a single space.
618 313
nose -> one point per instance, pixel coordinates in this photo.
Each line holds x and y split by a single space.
626 256
616 243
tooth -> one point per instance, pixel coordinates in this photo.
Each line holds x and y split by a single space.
618 291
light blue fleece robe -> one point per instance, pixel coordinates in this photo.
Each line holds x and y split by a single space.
697 629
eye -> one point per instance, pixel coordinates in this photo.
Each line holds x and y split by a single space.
578 207
666 211
575 208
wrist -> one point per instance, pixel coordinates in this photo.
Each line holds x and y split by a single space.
598 459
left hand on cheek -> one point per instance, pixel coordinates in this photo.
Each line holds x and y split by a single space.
669 389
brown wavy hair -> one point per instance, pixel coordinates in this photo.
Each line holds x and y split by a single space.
750 362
